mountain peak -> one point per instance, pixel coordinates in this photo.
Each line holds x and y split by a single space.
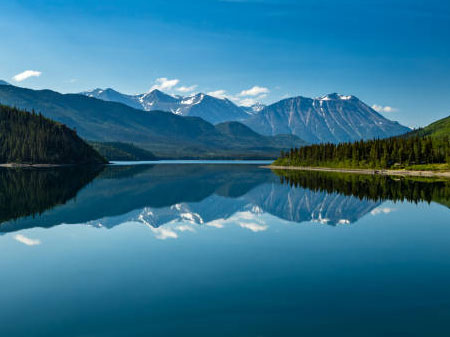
157 94
330 118
254 108
4 83
335 96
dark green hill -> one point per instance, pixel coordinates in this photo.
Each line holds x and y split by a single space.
165 134
440 128
30 138
122 151
245 136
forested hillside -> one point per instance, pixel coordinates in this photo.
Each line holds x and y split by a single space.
438 129
122 151
30 138
377 153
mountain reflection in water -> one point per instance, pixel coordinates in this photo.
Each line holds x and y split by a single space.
162 195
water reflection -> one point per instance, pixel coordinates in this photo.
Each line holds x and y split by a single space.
171 199
372 187
25 192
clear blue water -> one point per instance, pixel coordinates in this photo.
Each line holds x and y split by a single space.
220 250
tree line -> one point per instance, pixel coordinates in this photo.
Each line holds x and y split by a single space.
370 187
376 153
30 138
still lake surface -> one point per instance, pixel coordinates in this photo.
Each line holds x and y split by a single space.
221 250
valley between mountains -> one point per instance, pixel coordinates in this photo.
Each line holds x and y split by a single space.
201 126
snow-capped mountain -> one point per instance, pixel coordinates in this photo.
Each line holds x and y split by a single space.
253 109
331 118
212 109
114 96
157 100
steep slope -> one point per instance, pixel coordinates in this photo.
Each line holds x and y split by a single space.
163 133
112 95
211 109
440 128
332 118
28 138
157 100
253 109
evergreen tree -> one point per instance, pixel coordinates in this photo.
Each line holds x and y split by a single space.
30 138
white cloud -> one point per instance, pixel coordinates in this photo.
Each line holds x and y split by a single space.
254 227
27 241
164 83
186 89
162 233
185 228
251 101
255 91
215 224
248 102
218 94
26 74
383 108
382 210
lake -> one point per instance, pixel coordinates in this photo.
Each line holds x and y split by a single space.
230 249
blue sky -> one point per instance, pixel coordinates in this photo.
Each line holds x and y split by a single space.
388 53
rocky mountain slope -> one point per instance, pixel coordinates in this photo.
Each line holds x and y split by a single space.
211 109
331 118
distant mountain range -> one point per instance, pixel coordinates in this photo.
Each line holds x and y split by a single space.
165 134
331 118
212 109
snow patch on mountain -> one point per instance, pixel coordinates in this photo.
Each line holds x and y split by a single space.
330 118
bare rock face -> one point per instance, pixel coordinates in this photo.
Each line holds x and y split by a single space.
331 118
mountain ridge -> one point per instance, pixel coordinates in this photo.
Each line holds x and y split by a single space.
212 109
165 134
330 118
437 129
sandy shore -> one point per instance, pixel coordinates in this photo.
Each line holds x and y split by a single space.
445 174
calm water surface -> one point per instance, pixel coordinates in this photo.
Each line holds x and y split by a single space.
221 250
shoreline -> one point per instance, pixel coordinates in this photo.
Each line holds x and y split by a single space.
14 165
17 165
443 174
